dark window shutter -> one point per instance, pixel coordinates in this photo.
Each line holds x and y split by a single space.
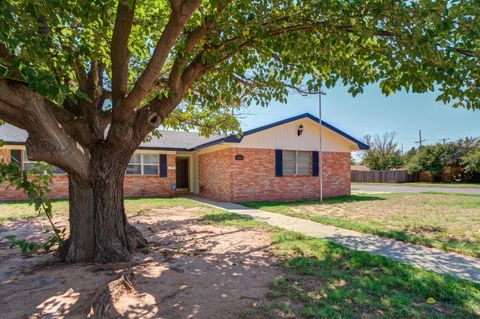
163 165
315 163
278 162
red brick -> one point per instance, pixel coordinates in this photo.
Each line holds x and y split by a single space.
222 177
134 186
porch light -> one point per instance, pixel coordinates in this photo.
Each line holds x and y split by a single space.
300 130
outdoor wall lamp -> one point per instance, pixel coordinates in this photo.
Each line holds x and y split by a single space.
300 130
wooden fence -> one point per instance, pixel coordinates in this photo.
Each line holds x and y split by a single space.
396 176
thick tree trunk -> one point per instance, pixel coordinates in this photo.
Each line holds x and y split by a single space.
99 230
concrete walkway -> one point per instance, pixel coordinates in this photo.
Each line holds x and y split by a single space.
418 256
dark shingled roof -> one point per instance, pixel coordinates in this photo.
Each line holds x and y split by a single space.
178 140
12 134
188 141
170 140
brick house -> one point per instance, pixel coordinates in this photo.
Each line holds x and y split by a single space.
278 161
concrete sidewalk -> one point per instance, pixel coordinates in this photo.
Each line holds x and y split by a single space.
436 260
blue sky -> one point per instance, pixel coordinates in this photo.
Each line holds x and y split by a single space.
373 113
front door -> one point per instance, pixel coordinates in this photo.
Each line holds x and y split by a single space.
182 173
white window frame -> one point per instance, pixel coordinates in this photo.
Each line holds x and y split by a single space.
25 160
296 163
143 164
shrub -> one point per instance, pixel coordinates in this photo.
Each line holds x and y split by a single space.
471 162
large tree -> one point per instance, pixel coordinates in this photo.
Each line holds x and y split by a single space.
90 80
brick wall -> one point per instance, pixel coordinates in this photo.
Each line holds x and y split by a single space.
253 178
223 178
336 173
59 187
5 155
134 186
214 175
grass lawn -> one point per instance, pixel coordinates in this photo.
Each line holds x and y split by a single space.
446 221
15 210
326 280
460 185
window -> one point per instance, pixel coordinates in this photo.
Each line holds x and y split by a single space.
296 163
135 165
150 164
16 157
28 165
57 170
143 164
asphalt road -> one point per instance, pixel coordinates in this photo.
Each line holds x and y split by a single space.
413 189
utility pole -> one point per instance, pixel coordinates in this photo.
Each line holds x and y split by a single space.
444 140
420 141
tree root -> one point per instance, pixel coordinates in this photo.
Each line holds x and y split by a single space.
102 306
135 238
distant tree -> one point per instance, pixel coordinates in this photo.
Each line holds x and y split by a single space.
431 159
383 153
471 162
455 151
409 154
435 158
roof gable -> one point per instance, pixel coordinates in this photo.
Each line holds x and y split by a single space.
238 139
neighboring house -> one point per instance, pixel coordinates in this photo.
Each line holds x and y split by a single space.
361 168
273 162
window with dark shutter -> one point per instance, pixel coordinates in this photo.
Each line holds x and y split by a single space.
278 163
315 163
163 165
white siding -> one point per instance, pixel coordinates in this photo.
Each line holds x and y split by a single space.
285 137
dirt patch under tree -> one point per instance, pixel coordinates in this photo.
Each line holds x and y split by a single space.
192 271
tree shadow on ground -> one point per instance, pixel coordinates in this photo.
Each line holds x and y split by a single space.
193 270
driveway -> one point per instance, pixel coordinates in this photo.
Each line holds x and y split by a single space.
401 188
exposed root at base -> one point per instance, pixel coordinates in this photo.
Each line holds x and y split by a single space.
102 306
135 238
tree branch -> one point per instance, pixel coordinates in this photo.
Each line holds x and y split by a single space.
48 140
81 75
119 53
251 83
193 38
181 12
